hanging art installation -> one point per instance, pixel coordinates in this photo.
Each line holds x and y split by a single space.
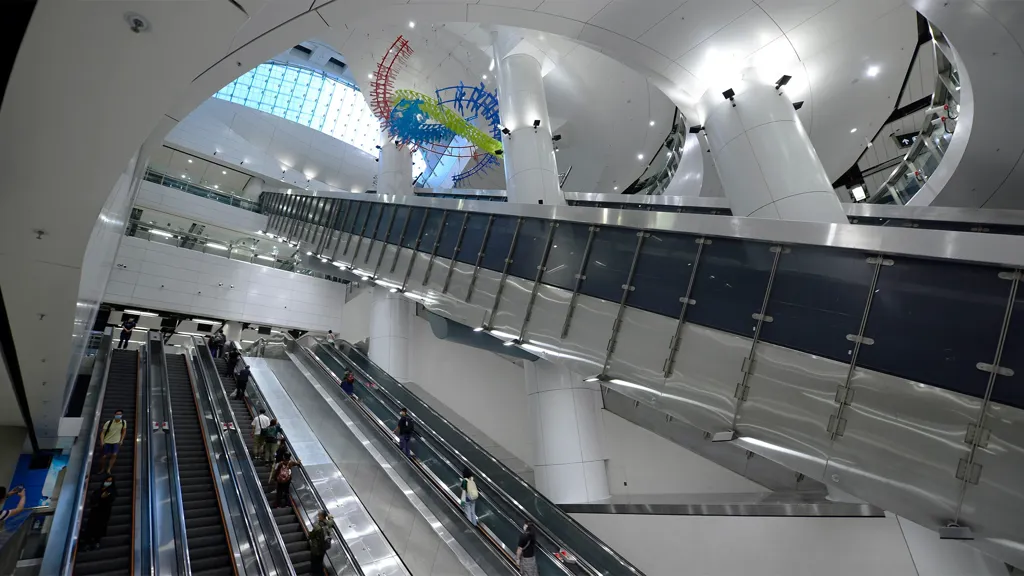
458 121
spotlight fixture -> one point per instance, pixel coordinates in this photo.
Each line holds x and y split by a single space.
506 131
695 129
783 81
798 105
536 124
556 148
730 95
556 137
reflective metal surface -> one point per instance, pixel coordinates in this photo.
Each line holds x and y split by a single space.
768 504
768 356
168 526
371 550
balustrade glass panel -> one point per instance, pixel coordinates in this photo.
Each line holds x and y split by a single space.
611 255
730 284
498 243
473 239
430 230
401 215
413 230
818 297
373 220
567 247
663 273
450 233
529 249
385 221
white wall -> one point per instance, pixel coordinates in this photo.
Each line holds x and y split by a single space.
171 201
484 388
164 277
641 462
355 323
756 546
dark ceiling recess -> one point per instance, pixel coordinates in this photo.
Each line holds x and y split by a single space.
337 62
17 14
303 49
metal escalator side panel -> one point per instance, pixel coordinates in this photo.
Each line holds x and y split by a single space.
170 549
232 545
459 457
504 531
272 556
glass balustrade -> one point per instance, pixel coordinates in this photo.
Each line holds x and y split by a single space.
224 197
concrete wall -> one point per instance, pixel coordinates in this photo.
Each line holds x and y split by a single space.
163 277
755 546
641 462
171 201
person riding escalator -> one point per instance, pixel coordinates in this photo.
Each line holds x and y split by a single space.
102 503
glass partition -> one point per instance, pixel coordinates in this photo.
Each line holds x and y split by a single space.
217 195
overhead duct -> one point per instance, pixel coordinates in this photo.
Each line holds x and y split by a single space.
445 329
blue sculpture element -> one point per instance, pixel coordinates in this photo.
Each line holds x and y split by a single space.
479 106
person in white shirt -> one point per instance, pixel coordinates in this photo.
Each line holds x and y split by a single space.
258 424
330 337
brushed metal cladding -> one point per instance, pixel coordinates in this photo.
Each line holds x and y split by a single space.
362 535
888 440
791 396
381 485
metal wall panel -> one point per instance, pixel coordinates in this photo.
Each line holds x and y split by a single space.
511 310
701 387
641 349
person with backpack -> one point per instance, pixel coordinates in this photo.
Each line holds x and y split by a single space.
320 541
260 422
217 343
126 333
241 381
527 550
469 495
404 429
282 476
99 514
348 384
270 441
112 435
233 357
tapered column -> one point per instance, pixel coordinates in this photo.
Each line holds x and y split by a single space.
390 327
569 459
766 162
531 174
394 168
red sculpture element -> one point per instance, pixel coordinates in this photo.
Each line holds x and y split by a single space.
383 85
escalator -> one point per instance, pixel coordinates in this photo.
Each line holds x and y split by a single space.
500 518
208 549
114 557
289 524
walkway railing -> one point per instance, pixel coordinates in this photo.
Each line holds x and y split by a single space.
202 191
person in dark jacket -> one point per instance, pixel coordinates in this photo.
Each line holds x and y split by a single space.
282 476
319 538
348 384
99 513
404 429
526 551
241 381
233 357
217 343
126 333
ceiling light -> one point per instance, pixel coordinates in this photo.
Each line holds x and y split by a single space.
140 313
873 71
509 343
639 156
184 175
485 76
491 67
652 122
412 24
370 76
262 257
223 171
853 130
615 188
309 253
478 329
217 246
217 186
162 233
189 160
592 379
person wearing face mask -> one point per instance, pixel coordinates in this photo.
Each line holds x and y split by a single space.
99 513
112 435
526 551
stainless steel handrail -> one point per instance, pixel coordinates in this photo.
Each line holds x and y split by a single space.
278 554
73 495
232 534
145 552
462 458
177 503
257 394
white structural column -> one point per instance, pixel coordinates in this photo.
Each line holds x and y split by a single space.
394 168
568 434
253 188
233 331
766 161
531 174
390 328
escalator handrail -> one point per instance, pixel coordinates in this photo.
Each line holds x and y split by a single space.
79 494
304 477
247 473
145 552
515 477
177 502
231 535
430 474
